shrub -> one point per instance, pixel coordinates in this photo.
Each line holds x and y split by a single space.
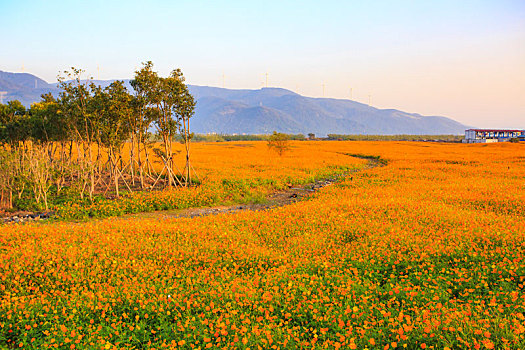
279 142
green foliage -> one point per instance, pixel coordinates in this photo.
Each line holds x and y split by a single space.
10 110
164 100
74 103
279 142
60 142
115 106
377 159
168 103
49 123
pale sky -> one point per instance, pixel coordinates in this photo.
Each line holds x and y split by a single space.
460 59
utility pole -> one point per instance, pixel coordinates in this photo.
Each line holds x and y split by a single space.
369 100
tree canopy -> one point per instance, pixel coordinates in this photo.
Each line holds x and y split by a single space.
86 126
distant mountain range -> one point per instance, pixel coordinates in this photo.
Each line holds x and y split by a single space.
227 111
24 87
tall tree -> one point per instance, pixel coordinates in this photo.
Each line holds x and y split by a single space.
74 103
170 105
140 119
114 127
50 132
183 109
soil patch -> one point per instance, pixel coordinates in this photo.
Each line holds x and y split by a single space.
288 196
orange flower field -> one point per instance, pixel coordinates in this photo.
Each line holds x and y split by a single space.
230 172
427 252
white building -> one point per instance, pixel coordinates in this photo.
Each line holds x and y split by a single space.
492 135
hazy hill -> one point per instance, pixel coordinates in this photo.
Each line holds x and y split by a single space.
24 87
268 109
265 110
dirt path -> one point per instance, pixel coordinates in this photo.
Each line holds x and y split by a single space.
277 199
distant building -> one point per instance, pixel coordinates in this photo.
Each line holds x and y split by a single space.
492 135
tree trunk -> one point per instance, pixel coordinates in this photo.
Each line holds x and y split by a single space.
71 152
6 199
115 172
132 159
187 145
140 165
168 163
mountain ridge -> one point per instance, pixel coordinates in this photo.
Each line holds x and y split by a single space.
262 111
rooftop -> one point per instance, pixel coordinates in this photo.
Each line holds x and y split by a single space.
495 130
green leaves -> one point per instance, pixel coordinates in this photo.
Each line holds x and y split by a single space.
279 142
167 101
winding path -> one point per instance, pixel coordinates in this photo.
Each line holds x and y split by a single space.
274 200
277 199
